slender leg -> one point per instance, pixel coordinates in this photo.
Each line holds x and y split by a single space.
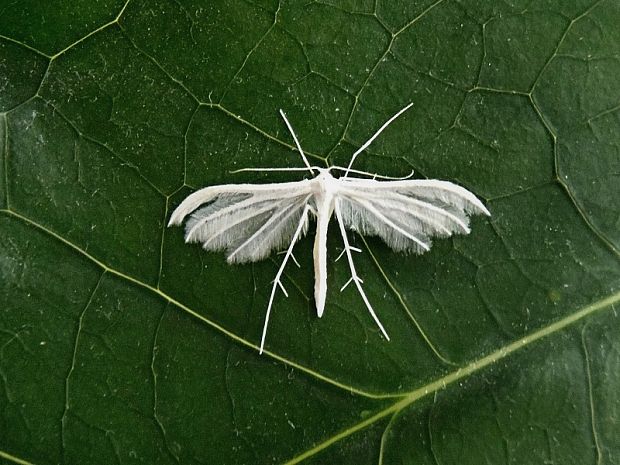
372 175
256 170
354 277
375 135
277 282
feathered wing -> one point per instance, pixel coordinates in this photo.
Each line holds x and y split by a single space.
247 221
407 214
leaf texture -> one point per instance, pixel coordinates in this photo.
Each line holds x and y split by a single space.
119 343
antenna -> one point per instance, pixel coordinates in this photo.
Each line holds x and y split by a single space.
301 152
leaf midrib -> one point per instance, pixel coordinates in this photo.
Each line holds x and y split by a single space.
405 398
451 378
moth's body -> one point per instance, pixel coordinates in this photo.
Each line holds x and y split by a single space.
324 189
250 221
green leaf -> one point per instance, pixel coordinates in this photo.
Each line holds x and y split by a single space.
121 344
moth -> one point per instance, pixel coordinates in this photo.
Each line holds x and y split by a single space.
250 221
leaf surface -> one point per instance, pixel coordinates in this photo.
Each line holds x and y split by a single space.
121 344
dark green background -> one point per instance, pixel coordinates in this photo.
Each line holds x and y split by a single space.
120 344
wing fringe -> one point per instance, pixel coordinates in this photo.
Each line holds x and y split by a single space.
406 214
246 221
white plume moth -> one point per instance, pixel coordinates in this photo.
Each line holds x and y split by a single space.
250 221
